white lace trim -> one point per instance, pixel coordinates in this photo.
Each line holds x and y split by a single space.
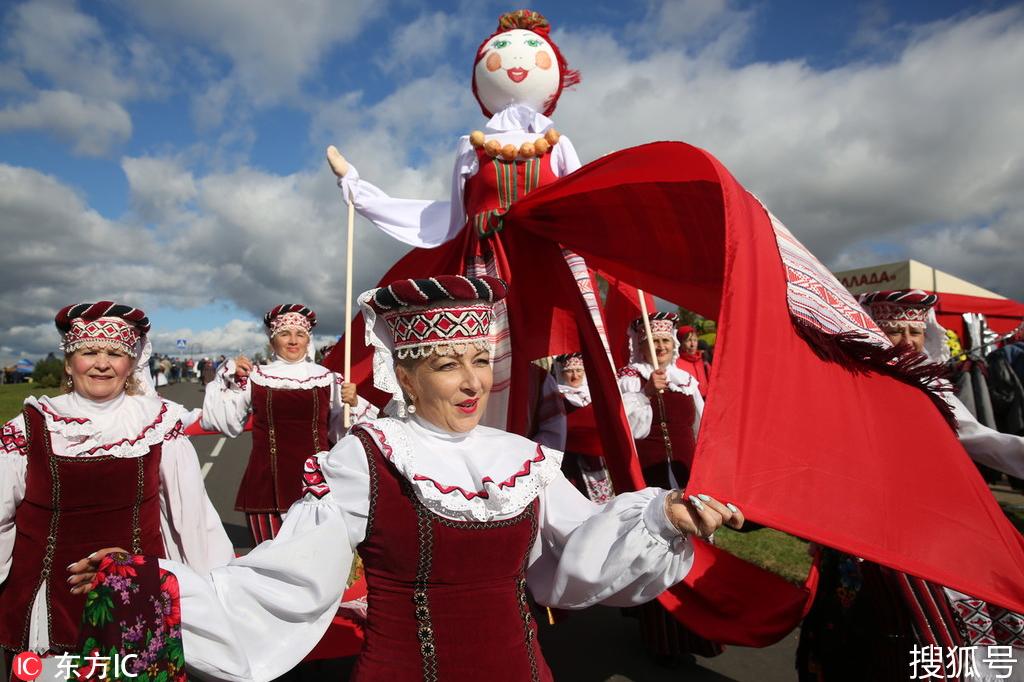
379 338
450 500
260 379
81 434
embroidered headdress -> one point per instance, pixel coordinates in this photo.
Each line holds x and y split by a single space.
570 361
102 324
289 316
663 326
412 318
892 308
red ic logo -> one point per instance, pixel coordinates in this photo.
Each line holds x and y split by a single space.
27 666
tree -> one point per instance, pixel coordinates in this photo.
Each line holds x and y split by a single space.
48 372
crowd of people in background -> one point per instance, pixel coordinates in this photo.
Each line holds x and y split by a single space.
166 369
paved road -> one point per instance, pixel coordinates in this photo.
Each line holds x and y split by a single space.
596 645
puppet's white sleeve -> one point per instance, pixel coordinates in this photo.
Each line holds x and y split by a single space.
417 222
564 158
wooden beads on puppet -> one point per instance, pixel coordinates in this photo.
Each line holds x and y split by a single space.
509 152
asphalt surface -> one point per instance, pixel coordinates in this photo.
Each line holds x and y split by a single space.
598 644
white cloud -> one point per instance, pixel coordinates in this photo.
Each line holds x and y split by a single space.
845 157
273 46
68 48
424 42
71 78
92 127
161 189
912 156
246 337
712 27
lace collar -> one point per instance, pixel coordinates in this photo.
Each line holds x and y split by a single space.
481 475
124 427
518 117
291 375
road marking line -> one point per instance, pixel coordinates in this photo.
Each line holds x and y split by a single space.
217 447
206 469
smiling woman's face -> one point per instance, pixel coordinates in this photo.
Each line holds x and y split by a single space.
99 373
290 344
517 67
449 391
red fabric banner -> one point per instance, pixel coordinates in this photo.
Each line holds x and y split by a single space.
845 457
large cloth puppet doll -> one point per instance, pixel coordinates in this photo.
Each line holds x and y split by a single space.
518 76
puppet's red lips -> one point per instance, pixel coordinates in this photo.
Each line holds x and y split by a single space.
517 75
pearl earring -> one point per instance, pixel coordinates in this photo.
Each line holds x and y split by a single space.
70 383
412 406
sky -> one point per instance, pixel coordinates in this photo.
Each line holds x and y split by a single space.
170 155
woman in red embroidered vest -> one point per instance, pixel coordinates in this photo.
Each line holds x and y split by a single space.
100 465
454 521
663 407
583 463
297 408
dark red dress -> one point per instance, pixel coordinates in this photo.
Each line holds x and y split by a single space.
447 599
73 506
670 439
288 426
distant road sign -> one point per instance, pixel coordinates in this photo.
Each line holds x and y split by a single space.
182 344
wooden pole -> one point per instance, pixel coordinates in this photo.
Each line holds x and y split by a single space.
647 328
348 302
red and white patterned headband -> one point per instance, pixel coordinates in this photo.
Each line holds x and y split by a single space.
572 361
663 326
441 329
286 321
891 309
107 332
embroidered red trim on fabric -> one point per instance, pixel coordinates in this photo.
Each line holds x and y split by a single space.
313 481
381 440
298 381
129 441
627 372
13 440
509 482
61 418
177 432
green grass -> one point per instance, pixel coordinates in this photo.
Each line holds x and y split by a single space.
770 549
12 396
1015 512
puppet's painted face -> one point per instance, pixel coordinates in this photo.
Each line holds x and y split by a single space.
517 67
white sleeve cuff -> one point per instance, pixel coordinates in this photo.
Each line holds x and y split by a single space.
657 523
